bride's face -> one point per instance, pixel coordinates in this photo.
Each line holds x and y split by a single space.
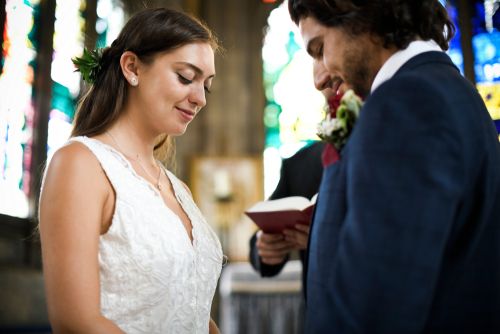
172 89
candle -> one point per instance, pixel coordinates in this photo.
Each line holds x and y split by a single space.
222 184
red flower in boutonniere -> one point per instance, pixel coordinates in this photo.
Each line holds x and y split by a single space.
338 124
334 104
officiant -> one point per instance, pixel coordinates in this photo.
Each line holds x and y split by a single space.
300 176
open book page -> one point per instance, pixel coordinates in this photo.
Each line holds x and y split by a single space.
287 203
274 216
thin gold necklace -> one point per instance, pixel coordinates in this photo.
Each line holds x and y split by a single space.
138 159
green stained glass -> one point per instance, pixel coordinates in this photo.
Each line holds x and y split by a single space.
63 101
293 107
271 115
292 47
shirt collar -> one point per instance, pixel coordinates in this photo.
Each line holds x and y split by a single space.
398 59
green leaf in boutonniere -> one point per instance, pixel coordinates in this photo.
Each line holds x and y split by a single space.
339 121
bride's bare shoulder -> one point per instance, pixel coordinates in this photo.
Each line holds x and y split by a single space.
74 161
75 155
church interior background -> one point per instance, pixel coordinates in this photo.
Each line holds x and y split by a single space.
263 108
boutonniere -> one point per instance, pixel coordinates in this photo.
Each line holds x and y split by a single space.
338 123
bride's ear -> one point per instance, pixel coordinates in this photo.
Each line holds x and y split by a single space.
129 63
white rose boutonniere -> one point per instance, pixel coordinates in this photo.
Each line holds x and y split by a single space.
339 121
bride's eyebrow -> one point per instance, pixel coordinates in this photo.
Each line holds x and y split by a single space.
195 68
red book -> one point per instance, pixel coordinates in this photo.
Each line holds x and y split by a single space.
274 216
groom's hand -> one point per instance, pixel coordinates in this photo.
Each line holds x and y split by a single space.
273 248
299 236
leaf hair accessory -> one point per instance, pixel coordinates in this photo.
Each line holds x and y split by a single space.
89 64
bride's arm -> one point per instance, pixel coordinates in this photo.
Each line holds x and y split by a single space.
71 214
212 327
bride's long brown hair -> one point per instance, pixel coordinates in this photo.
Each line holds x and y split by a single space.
146 34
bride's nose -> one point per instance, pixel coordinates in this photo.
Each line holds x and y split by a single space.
197 96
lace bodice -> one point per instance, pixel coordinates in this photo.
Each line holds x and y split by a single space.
152 278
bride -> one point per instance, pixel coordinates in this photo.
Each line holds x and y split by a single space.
124 247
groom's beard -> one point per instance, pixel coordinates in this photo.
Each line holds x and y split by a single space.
360 70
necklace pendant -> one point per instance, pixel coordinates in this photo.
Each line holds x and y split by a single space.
158 186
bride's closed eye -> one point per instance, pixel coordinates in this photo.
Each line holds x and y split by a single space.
185 81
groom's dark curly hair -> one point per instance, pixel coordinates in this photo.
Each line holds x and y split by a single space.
396 22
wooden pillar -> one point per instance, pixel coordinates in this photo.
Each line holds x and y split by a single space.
90 14
192 7
43 97
465 20
42 104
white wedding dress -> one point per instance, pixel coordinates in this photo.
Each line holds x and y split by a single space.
152 278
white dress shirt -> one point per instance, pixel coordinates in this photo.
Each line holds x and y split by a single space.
398 59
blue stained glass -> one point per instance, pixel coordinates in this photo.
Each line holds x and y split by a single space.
487 56
455 47
486 48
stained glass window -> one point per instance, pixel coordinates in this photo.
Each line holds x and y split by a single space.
293 106
16 86
486 46
455 47
16 107
68 43
110 20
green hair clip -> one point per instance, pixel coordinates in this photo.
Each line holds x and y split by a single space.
89 64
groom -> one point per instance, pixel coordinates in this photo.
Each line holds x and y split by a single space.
406 234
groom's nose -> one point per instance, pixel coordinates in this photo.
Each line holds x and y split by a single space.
321 76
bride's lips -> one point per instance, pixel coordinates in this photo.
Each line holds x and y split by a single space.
186 114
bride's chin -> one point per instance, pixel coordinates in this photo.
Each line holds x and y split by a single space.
179 132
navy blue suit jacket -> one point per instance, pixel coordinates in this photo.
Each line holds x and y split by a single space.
406 233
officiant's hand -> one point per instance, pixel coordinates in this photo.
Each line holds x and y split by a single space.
298 236
273 248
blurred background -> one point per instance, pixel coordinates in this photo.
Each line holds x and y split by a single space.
263 108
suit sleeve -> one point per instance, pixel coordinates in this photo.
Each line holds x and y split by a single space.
282 189
403 189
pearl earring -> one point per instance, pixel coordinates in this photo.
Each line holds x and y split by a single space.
134 81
